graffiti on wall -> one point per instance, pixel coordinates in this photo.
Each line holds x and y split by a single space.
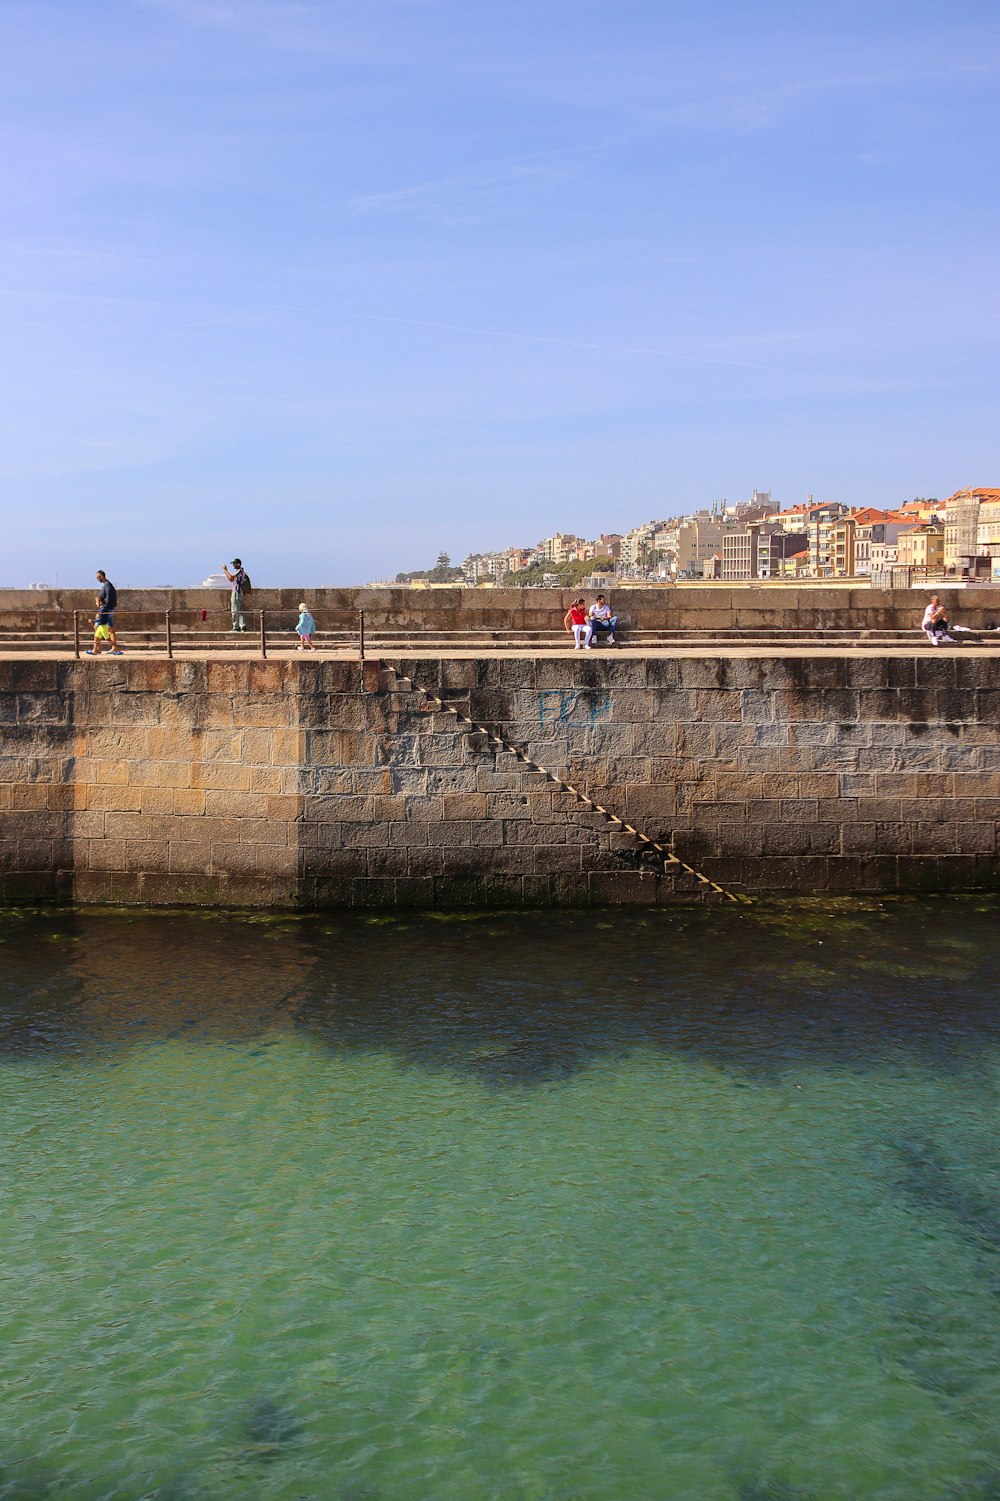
578 707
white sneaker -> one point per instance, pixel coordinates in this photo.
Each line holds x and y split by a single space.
949 638
589 645
611 640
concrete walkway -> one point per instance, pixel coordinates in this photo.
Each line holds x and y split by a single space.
918 648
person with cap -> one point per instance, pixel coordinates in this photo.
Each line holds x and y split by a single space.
306 629
241 586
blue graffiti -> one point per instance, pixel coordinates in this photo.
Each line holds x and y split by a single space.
578 708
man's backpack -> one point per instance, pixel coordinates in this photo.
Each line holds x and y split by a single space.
247 586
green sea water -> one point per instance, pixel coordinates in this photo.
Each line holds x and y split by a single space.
655 1205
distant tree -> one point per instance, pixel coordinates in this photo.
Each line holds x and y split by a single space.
441 573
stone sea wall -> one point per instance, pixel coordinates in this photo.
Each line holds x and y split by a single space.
701 608
297 783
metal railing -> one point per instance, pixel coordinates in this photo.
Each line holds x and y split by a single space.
348 634
203 631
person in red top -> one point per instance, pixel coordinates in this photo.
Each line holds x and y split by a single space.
575 620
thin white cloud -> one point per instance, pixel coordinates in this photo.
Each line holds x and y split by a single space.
758 97
242 13
750 77
288 24
619 350
447 192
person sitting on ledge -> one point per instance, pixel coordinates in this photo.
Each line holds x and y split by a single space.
601 618
935 622
575 620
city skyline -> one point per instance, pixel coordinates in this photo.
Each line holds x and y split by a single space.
825 531
335 287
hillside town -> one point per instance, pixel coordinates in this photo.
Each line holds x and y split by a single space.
921 539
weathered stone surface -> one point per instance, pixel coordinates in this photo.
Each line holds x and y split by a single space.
312 783
491 613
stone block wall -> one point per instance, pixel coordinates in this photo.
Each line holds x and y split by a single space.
300 783
703 608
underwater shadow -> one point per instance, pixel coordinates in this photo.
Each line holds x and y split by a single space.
522 999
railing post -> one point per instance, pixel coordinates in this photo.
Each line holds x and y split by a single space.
170 639
76 634
361 635
263 636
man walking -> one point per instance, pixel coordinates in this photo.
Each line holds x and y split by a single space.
241 586
107 604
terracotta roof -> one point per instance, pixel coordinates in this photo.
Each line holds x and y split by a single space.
868 514
977 493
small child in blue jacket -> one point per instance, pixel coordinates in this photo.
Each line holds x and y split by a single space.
306 629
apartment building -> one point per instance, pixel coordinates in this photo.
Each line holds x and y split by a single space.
562 548
796 564
882 556
638 545
517 558
987 524
758 551
700 537
922 546
873 529
961 528
842 547
820 522
493 567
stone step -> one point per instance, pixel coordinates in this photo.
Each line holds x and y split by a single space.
133 647
386 642
390 638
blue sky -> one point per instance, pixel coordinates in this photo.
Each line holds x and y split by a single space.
335 284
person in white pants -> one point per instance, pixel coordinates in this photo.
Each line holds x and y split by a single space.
575 620
935 622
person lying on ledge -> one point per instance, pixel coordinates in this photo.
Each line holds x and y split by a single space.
601 619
